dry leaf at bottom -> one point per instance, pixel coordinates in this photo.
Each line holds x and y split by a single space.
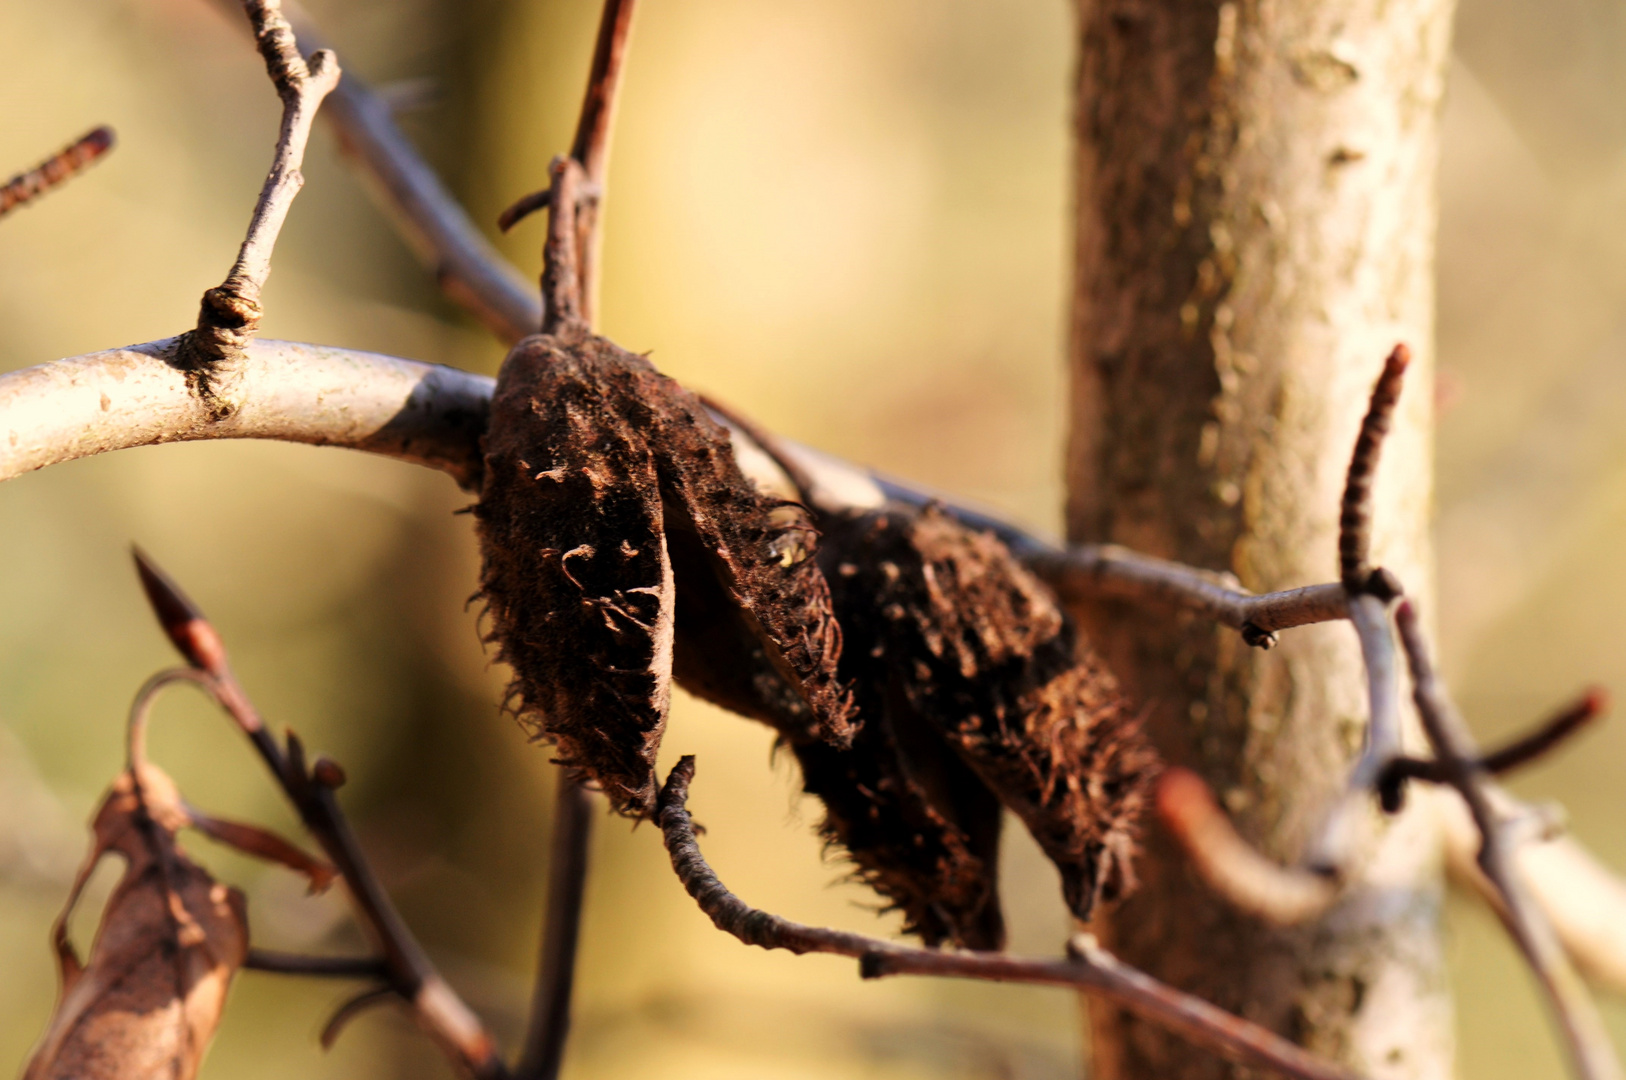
148 1001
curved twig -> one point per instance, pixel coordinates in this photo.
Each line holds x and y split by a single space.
1088 967
1355 518
1280 894
312 790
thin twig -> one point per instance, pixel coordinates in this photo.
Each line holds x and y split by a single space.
1107 571
1343 837
1521 751
591 146
311 789
57 169
331 967
1590 1051
230 313
1088 967
1355 518
549 1028
352 1008
523 207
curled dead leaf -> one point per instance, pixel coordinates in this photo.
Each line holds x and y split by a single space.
148 1001
171 938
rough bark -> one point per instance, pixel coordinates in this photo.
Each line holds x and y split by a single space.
1255 198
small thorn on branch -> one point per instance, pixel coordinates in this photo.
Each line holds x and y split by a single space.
55 170
230 312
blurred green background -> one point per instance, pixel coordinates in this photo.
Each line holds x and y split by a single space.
848 219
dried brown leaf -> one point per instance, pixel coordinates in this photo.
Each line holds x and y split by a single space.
921 829
972 646
171 938
619 537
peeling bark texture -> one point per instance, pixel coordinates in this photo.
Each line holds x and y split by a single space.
1255 194
611 518
956 650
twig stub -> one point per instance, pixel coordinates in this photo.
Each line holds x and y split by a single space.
57 169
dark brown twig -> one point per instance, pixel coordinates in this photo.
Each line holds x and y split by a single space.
1521 751
311 789
57 169
331 967
582 205
1590 1051
1088 966
230 313
549 1028
523 207
592 144
1355 519
352 1008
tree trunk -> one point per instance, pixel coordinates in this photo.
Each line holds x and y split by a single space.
1256 212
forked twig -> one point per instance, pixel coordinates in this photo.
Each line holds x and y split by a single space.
576 192
230 313
590 149
1590 1051
55 170
407 971
1088 966
465 265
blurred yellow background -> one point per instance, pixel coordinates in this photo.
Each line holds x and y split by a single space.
848 219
